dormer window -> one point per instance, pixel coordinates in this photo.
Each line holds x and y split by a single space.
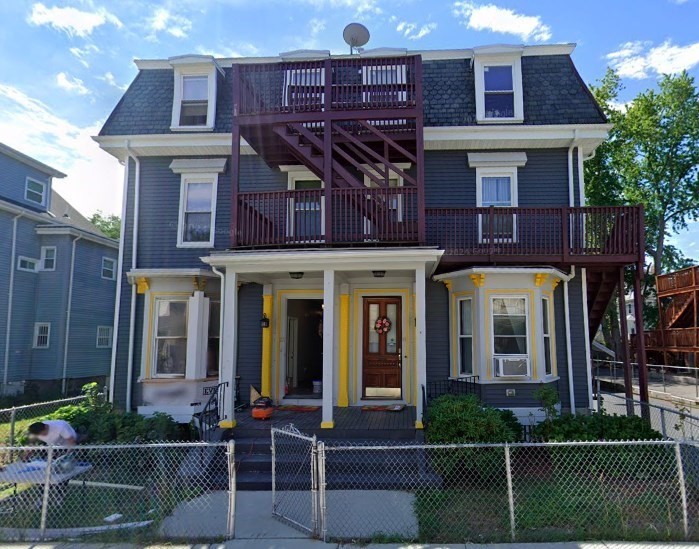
194 98
498 78
35 191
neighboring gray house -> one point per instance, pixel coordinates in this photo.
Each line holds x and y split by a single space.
361 230
57 287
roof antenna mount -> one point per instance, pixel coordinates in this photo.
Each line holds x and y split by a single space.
355 35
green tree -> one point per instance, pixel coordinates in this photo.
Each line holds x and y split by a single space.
110 225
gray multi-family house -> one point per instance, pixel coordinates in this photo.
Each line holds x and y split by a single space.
57 287
359 231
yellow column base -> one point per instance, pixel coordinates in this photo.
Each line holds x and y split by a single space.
227 424
419 425
327 424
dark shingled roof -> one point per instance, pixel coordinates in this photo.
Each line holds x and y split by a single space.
554 93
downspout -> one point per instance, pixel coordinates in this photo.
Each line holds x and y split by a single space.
134 250
120 267
571 177
222 276
68 311
569 352
10 294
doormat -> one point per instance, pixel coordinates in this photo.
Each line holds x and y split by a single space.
297 408
384 408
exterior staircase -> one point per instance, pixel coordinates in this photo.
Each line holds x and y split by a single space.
676 309
600 290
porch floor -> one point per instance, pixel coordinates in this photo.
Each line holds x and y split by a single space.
351 422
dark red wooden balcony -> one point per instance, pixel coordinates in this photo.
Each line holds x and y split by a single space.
679 281
564 235
673 339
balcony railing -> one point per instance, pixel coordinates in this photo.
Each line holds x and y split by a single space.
561 233
680 280
298 217
674 338
327 85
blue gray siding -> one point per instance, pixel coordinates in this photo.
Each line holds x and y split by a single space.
438 362
249 338
13 178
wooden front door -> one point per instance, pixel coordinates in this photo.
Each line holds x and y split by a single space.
381 367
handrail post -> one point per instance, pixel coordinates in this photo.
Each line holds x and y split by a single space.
491 231
565 234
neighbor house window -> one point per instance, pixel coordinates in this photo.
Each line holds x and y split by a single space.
212 349
197 210
497 188
498 80
42 334
465 336
304 89
546 328
109 268
510 339
27 264
35 191
104 337
48 258
170 345
384 85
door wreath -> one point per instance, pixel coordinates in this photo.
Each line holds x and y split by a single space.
382 325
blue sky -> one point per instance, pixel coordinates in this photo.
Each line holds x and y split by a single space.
65 64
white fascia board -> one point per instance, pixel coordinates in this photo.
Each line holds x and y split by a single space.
174 144
503 270
74 231
198 165
133 274
320 260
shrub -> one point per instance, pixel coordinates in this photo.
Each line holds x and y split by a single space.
463 419
595 426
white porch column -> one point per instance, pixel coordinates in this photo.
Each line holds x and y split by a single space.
421 342
328 348
229 351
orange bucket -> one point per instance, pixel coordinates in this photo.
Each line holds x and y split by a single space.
262 413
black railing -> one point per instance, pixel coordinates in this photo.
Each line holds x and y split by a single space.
211 415
452 386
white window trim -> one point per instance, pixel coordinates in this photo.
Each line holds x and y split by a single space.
44 184
154 341
459 336
37 327
547 338
44 249
108 337
186 179
208 70
303 175
36 263
508 59
114 268
510 172
528 337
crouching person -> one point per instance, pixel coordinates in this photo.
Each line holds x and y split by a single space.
54 432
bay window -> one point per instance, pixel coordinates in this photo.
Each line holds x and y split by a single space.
465 336
510 337
170 345
546 329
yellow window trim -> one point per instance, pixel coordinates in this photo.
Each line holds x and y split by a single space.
455 296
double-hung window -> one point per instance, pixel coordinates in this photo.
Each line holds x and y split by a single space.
27 264
546 329
498 82
170 345
35 191
304 89
497 188
213 343
48 258
197 208
195 100
510 337
465 336
108 268
42 335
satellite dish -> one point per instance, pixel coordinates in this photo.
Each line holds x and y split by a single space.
356 35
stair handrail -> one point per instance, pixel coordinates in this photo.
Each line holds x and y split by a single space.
210 415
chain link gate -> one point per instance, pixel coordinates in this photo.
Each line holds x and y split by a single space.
295 479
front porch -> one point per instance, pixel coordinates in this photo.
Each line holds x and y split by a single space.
352 423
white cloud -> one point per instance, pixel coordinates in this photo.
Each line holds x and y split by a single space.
163 20
108 77
412 32
493 18
71 84
83 53
360 7
72 21
640 60
316 26
94 179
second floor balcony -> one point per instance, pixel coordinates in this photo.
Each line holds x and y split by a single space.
376 217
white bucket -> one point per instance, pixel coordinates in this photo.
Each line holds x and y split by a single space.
317 387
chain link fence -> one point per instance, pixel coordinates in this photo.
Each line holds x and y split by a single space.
12 420
295 479
678 424
134 493
481 493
